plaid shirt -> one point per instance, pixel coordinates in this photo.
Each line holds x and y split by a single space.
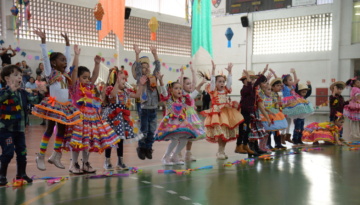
24 99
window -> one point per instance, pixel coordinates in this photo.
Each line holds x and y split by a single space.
319 2
55 17
172 39
292 35
356 23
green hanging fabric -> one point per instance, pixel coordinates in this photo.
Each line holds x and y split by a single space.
201 32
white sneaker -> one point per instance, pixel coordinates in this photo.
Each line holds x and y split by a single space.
108 165
220 156
55 159
75 168
40 161
167 161
189 157
87 168
176 160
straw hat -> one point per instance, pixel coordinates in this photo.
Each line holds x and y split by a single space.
303 87
275 80
338 84
251 74
144 59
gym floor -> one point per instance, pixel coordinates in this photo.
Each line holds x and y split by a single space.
328 176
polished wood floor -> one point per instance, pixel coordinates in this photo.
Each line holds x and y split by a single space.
328 176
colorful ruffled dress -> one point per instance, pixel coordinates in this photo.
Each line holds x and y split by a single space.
57 107
325 131
117 114
352 110
278 119
257 130
294 106
175 123
193 118
222 119
93 134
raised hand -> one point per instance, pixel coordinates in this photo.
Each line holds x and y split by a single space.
77 50
137 49
182 71
97 59
192 68
41 34
292 70
153 49
308 82
143 80
229 68
159 76
65 36
269 75
265 69
213 65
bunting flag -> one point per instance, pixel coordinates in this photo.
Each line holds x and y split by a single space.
201 27
113 19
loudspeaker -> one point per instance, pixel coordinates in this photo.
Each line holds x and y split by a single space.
127 13
244 21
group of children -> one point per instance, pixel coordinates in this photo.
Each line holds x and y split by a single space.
88 123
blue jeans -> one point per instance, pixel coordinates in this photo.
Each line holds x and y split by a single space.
299 128
138 109
148 122
11 142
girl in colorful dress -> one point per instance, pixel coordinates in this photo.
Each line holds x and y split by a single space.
222 120
352 110
93 134
56 109
117 114
293 105
174 126
278 120
276 87
325 131
191 114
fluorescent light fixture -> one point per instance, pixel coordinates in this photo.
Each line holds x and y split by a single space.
357 14
357 6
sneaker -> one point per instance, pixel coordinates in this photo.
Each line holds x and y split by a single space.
166 161
220 156
55 159
189 157
120 165
87 168
141 153
176 160
148 153
40 161
108 165
75 168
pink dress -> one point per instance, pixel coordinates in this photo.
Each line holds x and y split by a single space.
352 110
93 133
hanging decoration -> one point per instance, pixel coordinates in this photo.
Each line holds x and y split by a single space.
113 20
99 14
21 14
201 23
229 34
153 26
